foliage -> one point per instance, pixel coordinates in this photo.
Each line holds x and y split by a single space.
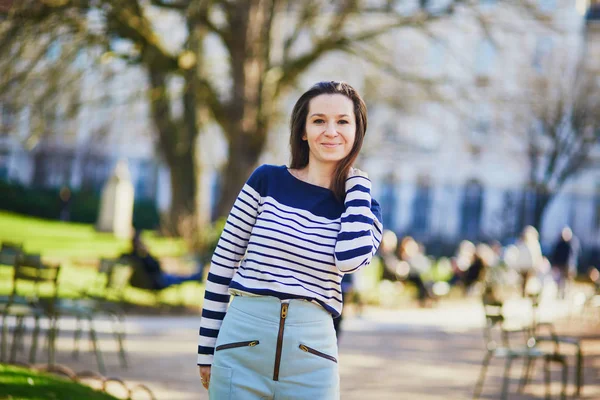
84 205
24 384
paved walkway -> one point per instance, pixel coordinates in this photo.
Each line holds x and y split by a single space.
384 354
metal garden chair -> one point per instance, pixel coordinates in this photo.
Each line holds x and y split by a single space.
27 300
102 298
498 345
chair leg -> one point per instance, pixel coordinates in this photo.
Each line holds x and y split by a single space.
579 372
34 340
565 377
506 380
21 337
76 337
15 341
4 339
547 376
119 334
480 380
526 375
93 339
52 335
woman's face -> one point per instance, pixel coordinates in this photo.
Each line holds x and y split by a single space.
330 128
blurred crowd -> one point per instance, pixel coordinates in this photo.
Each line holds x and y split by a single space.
477 266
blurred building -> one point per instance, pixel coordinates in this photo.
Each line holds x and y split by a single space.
454 163
450 160
446 146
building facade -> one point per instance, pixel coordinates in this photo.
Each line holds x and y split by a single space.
447 141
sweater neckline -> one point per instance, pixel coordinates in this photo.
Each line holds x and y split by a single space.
307 184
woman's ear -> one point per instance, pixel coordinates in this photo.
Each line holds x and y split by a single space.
304 137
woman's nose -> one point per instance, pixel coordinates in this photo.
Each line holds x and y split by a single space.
330 130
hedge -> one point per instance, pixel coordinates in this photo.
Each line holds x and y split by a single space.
84 205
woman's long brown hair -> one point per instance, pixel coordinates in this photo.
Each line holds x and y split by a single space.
299 147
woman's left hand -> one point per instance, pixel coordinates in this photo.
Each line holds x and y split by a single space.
357 172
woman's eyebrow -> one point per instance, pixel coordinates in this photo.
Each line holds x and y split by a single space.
323 115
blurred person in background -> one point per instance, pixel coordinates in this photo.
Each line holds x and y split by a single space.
65 199
477 270
528 257
564 260
414 263
461 262
140 257
403 263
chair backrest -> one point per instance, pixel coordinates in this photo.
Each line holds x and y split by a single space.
111 279
13 247
9 252
29 274
494 320
118 280
101 281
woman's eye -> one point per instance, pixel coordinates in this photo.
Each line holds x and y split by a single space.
343 121
318 121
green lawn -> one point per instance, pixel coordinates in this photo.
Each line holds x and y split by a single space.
20 383
62 240
77 247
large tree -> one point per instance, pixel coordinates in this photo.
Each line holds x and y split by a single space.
564 132
268 43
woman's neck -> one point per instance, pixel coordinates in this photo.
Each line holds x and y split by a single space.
318 174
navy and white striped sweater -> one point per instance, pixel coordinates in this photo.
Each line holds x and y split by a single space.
294 240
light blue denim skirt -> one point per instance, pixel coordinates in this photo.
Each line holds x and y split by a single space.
273 349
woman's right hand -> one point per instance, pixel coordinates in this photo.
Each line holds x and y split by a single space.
205 376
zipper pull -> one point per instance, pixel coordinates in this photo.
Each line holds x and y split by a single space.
284 309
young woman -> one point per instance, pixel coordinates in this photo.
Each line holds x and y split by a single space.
291 236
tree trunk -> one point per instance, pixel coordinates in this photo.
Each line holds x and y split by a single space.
183 212
542 200
178 147
247 125
243 157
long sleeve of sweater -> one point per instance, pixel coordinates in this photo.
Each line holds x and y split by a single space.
229 252
361 228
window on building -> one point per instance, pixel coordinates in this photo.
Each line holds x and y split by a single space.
541 54
388 202
510 217
485 58
421 207
471 210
